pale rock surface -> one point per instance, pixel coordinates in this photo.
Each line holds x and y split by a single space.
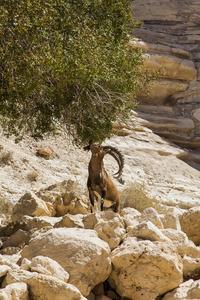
31 205
48 266
190 224
186 290
71 221
15 291
109 226
44 286
148 231
145 270
71 203
130 216
33 223
191 267
179 240
3 270
149 160
50 193
80 252
171 220
150 214
169 37
193 250
170 66
45 151
25 264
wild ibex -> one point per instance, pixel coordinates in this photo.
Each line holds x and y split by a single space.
98 179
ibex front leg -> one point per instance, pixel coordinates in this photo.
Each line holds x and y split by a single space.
103 195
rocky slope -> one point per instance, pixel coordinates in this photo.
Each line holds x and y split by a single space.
52 246
170 36
162 167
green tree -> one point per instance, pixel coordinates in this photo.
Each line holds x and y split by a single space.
67 62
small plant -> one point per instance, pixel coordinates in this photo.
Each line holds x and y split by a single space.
5 207
136 196
32 176
6 157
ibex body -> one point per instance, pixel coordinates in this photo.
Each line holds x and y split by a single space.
98 179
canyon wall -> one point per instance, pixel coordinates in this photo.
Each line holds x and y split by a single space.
170 38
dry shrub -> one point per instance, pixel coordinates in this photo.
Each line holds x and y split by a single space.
5 207
6 157
136 196
32 176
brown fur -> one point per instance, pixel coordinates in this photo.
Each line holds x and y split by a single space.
99 180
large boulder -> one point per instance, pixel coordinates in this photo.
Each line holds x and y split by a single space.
48 266
43 286
15 291
80 252
179 239
187 290
145 269
29 204
148 231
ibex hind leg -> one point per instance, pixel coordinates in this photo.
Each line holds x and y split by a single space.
117 205
103 195
92 197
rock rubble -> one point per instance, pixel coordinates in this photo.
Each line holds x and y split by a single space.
98 256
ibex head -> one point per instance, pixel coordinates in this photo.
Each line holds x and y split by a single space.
114 152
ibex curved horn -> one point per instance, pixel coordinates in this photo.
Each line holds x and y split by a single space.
114 152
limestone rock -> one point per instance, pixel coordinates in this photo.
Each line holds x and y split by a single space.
191 267
171 220
169 37
108 225
15 291
130 216
71 221
72 203
48 266
193 250
33 223
45 151
17 239
186 290
148 231
171 66
145 270
3 270
80 252
31 205
150 214
25 264
50 193
160 91
179 239
190 224
44 286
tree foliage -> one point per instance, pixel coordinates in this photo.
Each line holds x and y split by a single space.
67 61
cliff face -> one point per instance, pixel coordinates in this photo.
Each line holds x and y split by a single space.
170 36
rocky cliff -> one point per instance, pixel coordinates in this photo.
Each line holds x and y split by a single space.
170 37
